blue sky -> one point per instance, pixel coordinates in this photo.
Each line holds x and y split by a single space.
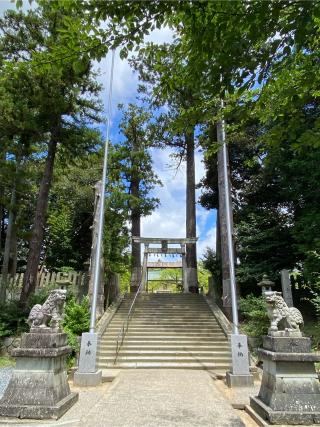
169 219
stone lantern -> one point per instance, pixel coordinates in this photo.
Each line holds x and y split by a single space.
266 284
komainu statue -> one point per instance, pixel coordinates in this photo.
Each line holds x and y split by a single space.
289 318
49 312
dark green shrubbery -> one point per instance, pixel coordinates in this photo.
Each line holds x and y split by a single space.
13 319
76 320
254 312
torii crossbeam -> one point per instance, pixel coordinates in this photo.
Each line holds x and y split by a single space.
165 249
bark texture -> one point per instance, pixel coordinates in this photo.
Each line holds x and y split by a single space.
30 276
191 248
1 225
8 246
135 220
136 247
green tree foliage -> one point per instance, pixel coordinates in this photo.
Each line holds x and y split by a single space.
56 97
132 174
169 279
131 159
116 232
212 265
220 49
203 276
70 217
69 235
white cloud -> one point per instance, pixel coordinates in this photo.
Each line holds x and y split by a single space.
125 81
170 218
161 35
208 240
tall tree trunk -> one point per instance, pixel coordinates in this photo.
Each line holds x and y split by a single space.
13 251
2 159
8 245
1 226
226 287
136 247
30 276
135 219
191 248
218 237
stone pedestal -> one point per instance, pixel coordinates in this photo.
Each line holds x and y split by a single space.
290 388
87 373
240 375
39 386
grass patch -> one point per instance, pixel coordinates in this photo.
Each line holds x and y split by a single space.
6 361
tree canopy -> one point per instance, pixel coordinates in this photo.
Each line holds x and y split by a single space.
260 57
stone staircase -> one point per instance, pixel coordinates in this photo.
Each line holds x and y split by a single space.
166 331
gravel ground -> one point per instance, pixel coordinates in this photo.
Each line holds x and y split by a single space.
5 375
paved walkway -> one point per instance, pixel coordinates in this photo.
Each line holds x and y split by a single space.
150 398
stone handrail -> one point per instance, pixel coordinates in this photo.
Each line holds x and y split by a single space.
226 327
108 315
125 325
223 321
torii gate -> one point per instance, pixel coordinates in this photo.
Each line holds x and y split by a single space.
165 250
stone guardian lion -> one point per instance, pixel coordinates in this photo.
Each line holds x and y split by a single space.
51 311
289 318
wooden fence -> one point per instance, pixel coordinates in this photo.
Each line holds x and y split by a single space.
77 281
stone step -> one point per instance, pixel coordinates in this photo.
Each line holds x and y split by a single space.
172 303
158 358
177 333
168 328
219 367
192 315
165 337
166 331
156 330
166 319
171 314
169 310
212 354
180 307
135 322
160 352
170 345
177 338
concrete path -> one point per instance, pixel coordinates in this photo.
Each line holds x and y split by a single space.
162 398
149 398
